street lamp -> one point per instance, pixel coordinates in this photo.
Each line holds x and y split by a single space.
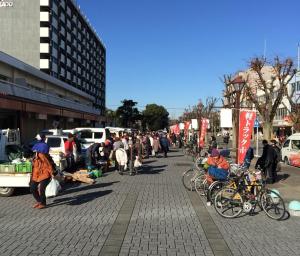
238 84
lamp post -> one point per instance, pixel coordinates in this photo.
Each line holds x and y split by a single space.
238 84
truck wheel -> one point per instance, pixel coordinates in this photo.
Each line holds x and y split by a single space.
6 191
286 161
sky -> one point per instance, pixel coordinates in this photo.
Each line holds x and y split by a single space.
175 52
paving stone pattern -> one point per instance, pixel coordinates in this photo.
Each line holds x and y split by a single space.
148 214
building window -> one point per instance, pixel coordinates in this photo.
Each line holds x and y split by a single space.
69 11
62 17
54 7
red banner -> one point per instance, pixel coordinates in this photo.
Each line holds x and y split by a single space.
247 119
204 125
186 128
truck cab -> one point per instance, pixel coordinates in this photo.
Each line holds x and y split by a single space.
8 138
9 142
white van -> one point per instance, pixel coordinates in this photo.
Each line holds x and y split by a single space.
117 131
290 147
57 149
89 135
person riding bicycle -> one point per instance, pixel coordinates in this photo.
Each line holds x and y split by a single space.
218 165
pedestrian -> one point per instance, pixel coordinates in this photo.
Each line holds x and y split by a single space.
156 146
212 144
41 145
226 138
70 147
248 157
137 152
277 149
92 155
268 161
42 171
164 143
121 157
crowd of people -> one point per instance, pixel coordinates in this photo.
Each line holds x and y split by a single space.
124 152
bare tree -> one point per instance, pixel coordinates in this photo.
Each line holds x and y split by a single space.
294 109
266 84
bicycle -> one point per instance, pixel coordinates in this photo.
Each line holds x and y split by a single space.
189 177
244 193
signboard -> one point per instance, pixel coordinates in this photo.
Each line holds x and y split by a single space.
247 118
256 123
195 124
226 118
204 126
4 3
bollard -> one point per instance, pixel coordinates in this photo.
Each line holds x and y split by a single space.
294 208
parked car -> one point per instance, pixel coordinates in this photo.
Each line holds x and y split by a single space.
57 149
290 148
89 136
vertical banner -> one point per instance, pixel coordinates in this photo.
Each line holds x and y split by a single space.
204 125
176 129
247 119
186 129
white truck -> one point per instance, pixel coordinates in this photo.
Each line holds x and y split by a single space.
9 180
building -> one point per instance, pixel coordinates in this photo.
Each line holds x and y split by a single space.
281 123
53 36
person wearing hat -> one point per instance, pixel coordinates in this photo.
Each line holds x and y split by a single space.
43 169
41 146
218 166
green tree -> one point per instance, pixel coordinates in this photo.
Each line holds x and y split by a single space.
127 114
155 117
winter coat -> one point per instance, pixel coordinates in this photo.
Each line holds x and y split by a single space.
164 143
218 162
121 156
156 145
268 157
42 168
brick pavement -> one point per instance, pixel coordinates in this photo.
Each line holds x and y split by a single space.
149 214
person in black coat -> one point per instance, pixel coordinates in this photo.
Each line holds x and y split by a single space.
268 161
164 145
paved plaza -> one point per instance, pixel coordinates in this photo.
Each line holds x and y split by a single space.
148 214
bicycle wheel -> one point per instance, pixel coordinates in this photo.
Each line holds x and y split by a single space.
213 189
201 185
272 204
228 203
188 178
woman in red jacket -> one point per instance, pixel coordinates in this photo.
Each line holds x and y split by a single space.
42 171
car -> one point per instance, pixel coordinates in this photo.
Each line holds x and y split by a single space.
57 149
290 148
88 135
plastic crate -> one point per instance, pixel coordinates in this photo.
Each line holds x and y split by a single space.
24 167
7 168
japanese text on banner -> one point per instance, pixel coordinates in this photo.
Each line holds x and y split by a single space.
247 118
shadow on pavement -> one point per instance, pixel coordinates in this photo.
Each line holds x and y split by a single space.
146 169
282 177
286 216
175 156
146 161
88 187
79 199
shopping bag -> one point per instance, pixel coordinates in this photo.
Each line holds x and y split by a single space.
53 188
137 163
